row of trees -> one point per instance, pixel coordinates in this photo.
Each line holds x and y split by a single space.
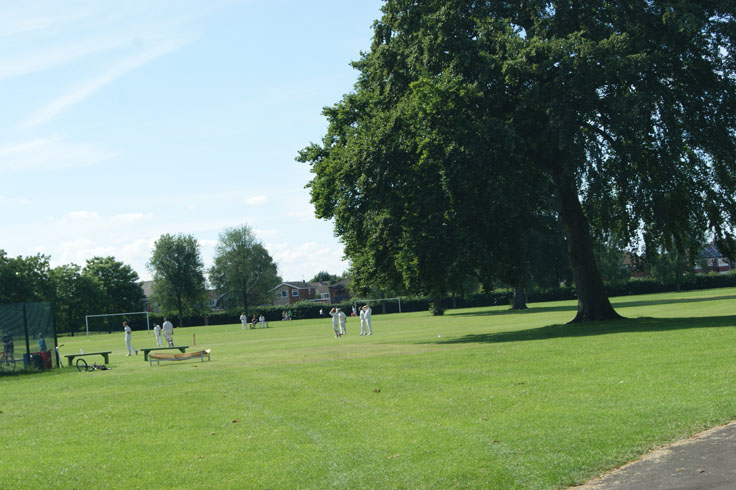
243 273
103 285
478 130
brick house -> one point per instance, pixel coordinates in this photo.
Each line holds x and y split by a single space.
710 259
291 292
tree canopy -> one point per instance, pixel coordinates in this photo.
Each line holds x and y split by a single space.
119 283
103 286
243 270
24 278
178 274
77 294
324 276
471 121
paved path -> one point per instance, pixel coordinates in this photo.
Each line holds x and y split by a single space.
704 461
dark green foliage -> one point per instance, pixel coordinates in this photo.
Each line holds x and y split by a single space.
119 283
467 116
103 286
178 274
243 271
77 295
324 276
24 279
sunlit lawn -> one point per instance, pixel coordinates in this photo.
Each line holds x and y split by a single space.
479 398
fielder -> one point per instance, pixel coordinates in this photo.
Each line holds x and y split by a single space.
169 332
368 311
363 330
128 333
334 315
342 317
157 334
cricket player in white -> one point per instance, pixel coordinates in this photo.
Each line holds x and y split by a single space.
157 334
368 311
342 317
334 315
128 333
363 330
244 321
169 332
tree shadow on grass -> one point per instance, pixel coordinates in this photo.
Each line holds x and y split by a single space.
574 307
596 328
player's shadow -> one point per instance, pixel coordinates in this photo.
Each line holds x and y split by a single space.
595 328
573 307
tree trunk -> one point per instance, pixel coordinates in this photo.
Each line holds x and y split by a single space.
179 310
519 302
593 301
436 308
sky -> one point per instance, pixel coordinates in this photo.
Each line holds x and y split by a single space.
123 121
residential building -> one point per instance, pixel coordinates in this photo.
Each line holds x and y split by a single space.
291 292
710 259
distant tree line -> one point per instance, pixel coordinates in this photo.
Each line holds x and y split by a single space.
242 275
103 285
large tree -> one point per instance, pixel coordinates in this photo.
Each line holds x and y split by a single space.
120 284
76 295
243 270
178 274
468 115
24 279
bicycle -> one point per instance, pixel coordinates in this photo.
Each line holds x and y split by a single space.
7 362
83 366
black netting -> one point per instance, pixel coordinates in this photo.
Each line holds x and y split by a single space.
28 334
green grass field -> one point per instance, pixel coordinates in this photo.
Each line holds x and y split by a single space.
479 398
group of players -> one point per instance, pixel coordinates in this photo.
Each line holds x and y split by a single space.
167 330
339 319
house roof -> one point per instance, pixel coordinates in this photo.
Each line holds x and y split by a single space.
147 288
294 284
710 252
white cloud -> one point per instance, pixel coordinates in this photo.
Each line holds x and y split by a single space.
134 252
80 216
256 200
303 213
304 260
207 243
19 22
11 201
14 65
92 225
131 218
49 154
266 233
91 86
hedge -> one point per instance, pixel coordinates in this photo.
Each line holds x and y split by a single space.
308 309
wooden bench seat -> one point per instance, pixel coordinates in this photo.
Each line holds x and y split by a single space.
147 350
162 356
105 355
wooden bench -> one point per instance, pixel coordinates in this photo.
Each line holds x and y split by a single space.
105 355
161 356
146 350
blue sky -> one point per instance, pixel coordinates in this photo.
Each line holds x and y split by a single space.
122 121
